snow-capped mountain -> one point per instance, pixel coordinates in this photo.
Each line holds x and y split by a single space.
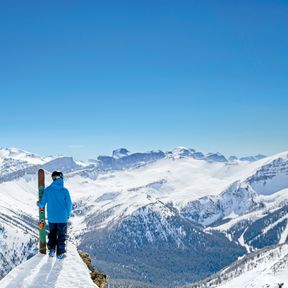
21 155
138 214
247 158
216 157
121 152
64 164
181 152
266 268
252 158
14 159
124 159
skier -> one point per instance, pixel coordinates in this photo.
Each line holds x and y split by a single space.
59 207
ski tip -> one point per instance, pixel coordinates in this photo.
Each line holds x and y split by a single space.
41 177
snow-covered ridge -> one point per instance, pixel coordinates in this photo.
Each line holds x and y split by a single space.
242 196
43 271
14 159
149 198
204 192
15 163
20 155
262 269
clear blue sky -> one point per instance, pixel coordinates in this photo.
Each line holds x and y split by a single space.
85 77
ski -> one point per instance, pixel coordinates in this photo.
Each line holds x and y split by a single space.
42 226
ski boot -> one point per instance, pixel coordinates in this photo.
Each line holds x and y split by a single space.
61 256
52 252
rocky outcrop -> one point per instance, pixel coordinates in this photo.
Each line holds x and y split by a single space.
100 279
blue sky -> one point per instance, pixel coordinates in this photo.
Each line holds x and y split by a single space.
85 77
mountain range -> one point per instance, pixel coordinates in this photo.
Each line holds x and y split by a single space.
153 219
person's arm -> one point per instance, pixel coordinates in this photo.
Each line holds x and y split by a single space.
68 202
43 201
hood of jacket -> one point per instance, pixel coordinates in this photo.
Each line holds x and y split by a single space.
58 184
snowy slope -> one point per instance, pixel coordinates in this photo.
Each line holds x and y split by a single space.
266 268
18 242
158 202
18 224
270 205
183 182
21 155
42 271
13 159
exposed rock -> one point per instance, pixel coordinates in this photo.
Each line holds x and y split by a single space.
100 279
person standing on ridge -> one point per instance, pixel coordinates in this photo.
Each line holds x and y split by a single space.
59 207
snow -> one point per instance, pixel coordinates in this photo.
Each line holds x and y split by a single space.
284 235
176 181
242 242
278 182
121 152
43 271
268 270
19 195
271 226
232 215
272 202
20 155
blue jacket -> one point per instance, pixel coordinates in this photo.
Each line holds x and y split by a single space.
59 205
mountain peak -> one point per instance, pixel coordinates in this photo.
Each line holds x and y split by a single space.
64 164
252 158
17 154
180 152
121 152
232 158
216 157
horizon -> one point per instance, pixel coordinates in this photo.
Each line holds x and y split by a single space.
151 75
95 156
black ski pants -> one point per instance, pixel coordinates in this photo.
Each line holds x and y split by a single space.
57 237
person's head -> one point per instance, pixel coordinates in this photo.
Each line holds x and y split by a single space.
56 174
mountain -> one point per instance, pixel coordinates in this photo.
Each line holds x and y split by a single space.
266 268
121 152
247 158
64 164
125 160
153 240
18 238
181 152
155 219
252 158
21 155
232 158
13 159
216 157
196 199
42 271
